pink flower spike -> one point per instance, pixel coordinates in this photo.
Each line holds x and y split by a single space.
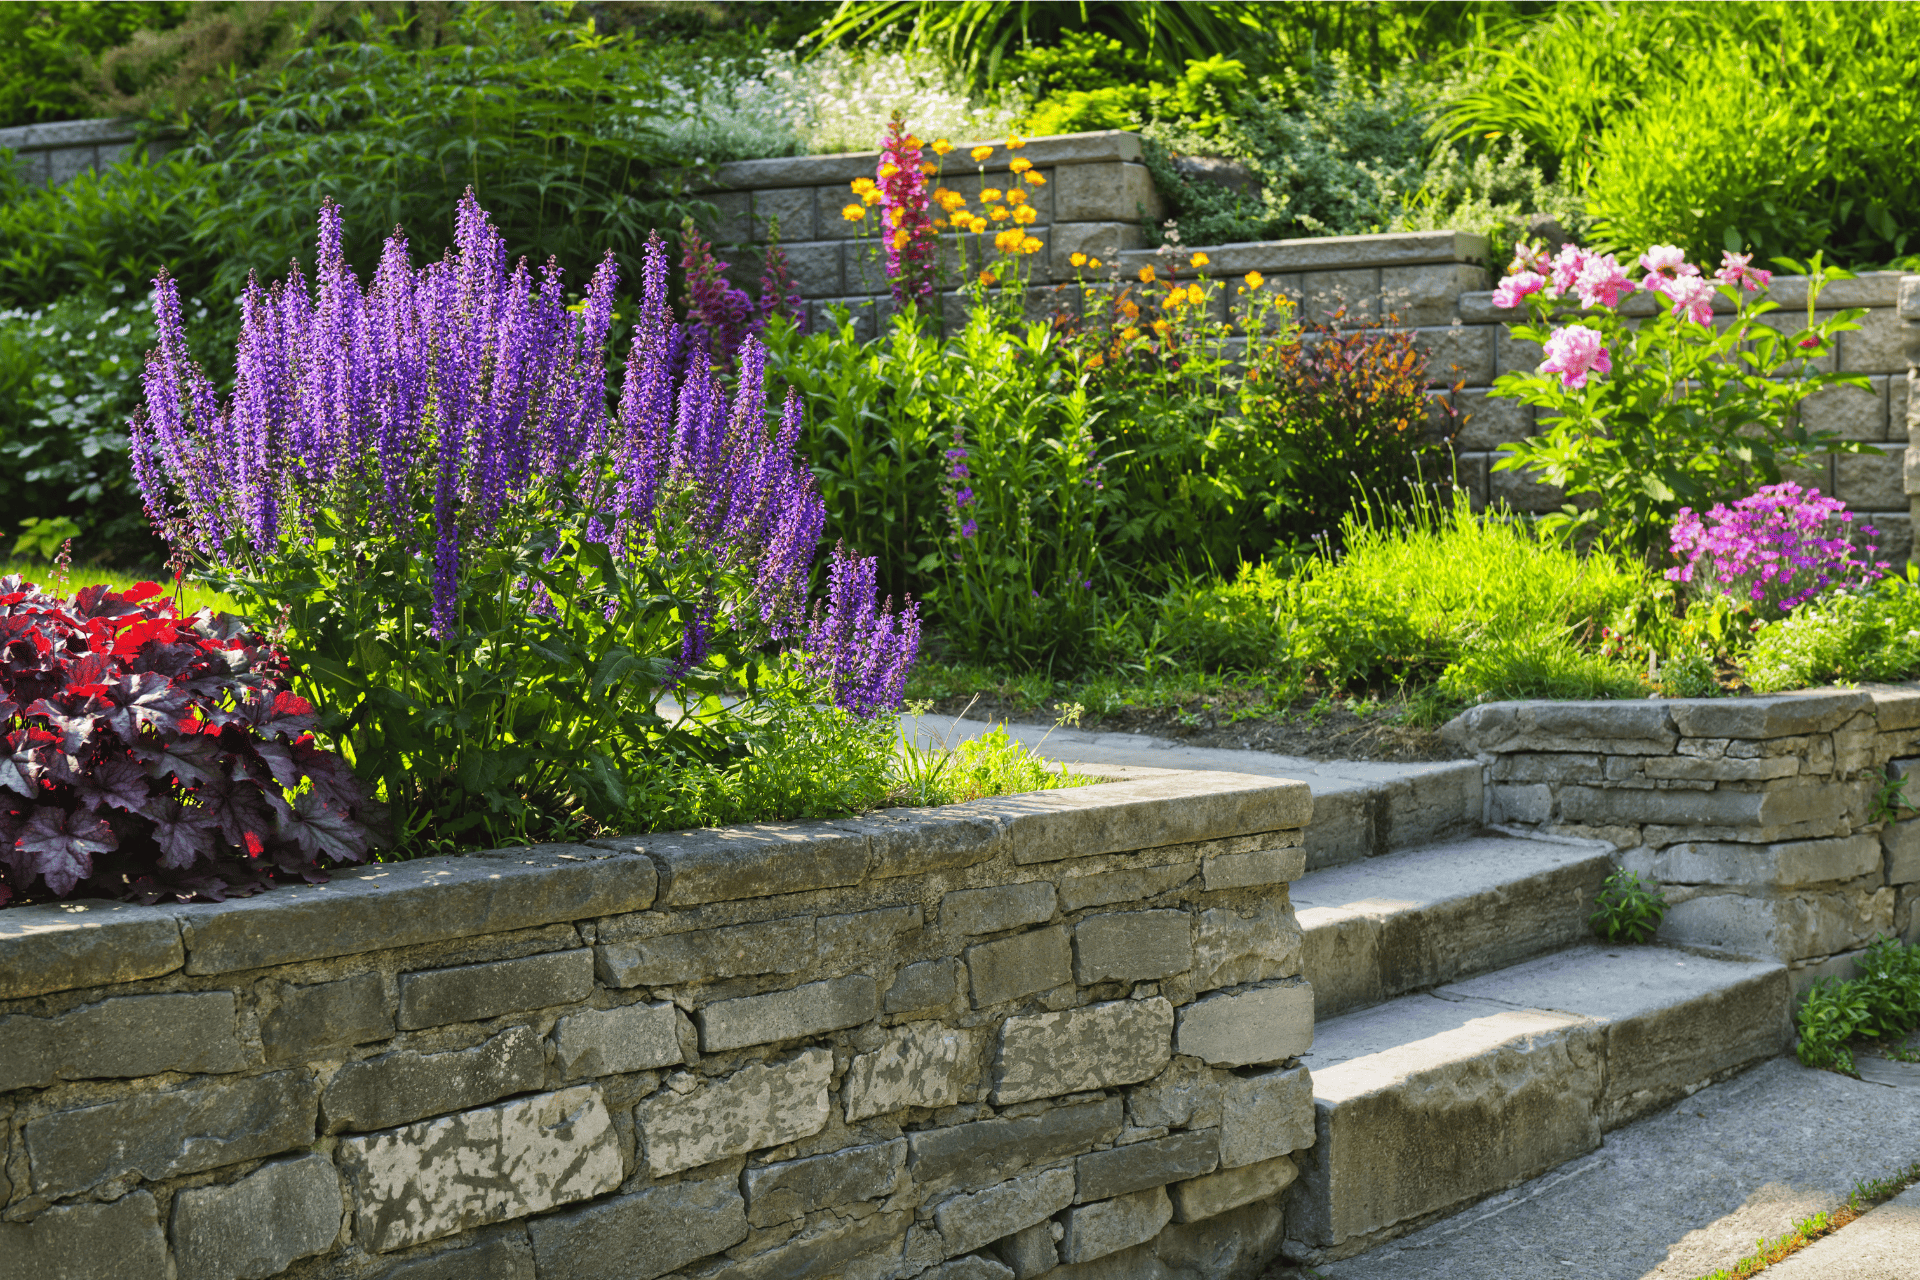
1602 283
1516 287
1573 353
1734 270
1664 263
1692 297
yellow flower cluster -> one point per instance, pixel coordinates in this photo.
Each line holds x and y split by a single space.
1082 260
1200 259
980 154
1255 279
1014 240
941 146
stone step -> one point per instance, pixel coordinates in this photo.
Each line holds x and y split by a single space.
1430 1102
1406 921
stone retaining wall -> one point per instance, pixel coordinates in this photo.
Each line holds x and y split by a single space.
981 1041
1756 815
53 153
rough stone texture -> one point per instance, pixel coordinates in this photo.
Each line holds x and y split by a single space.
1255 867
640 1236
930 984
732 863
758 1106
1096 1230
776 946
401 1087
868 1248
58 946
600 1042
1786 928
812 1010
117 1241
839 937
431 1179
779 1193
127 1036
1789 864
1132 946
1265 1115
1105 888
923 1064
1235 945
967 1156
1115 1043
908 842
1037 960
969 1222
1006 906
259 1225
325 1014
172 1131
1139 1165
1257 1025
1083 821
1201 1198
498 1259
1029 1252
1902 843
473 992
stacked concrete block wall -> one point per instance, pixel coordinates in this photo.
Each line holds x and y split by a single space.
50 154
1766 820
1905 412
1057 1033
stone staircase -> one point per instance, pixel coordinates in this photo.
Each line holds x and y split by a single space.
1472 1035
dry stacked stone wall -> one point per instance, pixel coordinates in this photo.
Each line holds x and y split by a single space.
1760 817
990 1040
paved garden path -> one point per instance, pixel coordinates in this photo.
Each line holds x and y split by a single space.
1672 1197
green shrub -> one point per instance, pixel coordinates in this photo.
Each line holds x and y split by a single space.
1870 634
46 47
1882 1002
1627 910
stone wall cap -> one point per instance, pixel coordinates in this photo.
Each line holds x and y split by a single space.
1117 817
67 133
823 171
756 860
58 946
1895 706
1639 726
400 904
1775 715
1909 303
1330 253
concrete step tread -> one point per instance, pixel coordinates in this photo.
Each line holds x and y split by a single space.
1413 878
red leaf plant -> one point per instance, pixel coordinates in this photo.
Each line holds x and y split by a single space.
146 755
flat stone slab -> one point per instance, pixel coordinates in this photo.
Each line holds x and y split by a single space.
1679 1194
1886 1242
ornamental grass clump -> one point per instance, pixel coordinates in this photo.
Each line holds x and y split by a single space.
151 755
509 598
1777 549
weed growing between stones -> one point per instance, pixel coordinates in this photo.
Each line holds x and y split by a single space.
1629 910
1883 1004
1866 1195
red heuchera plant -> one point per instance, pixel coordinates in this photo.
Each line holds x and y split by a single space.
144 754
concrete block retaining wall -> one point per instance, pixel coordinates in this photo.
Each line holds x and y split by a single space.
1756 815
979 1041
53 153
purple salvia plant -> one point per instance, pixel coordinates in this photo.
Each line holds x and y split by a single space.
862 654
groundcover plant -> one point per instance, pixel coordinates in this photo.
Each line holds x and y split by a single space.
516 609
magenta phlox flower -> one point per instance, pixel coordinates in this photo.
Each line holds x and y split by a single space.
1734 270
1778 548
1567 266
1601 282
1665 263
1575 352
1692 297
1517 286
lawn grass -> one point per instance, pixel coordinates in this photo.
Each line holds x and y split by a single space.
192 596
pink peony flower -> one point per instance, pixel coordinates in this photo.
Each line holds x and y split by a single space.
1516 287
1734 270
1529 257
1566 266
1692 297
1573 353
1664 263
1602 283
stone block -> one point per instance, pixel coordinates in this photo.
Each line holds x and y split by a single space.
1265 1115
1200 1198
990 910
1102 240
759 1106
930 984
812 1010
1813 924
757 860
1523 490
1255 867
1353 293
325 1015
969 1156
853 1248
969 1222
909 842
923 1064
1784 865
1254 1025
1612 728
1458 353
120 1038
605 1042
1132 946
1901 840
786 213
840 938
1719 768
1096 1230
640 1236
1429 294
1782 715
1119 1171
502 1258
1108 887
1878 346
1333 253
117 1241
259 1225
61 946
1866 482
1235 945
1110 192
1855 413
427 1180
1117 817
784 1192
1515 355
401 1087
1019 966
1341 957
733 216
476 992
1488 422
404 904
1783 804
1095 1047
172 1131
1530 802
701 955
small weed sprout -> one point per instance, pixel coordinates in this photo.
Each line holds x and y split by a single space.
1689 675
1890 801
1628 910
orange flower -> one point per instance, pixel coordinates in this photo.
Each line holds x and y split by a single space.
888 169
929 168
1162 328
990 195
1035 178
854 212
1146 275
900 238
896 215
1129 333
941 146
1130 308
998 213
873 195
1078 259
980 153
1024 214
979 225
1094 263
1200 259
1015 142
1016 196
1020 164
1175 298
862 185
1255 279
1032 244
1095 360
